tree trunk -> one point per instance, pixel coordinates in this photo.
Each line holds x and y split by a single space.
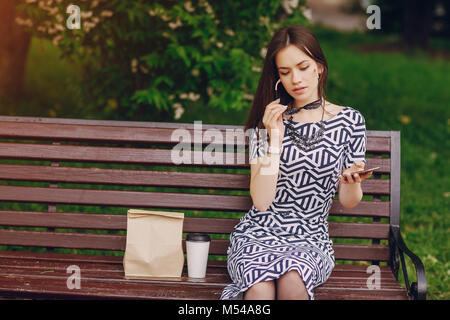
14 45
417 22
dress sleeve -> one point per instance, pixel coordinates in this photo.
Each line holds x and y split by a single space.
258 143
356 150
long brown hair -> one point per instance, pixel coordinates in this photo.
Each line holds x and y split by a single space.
303 39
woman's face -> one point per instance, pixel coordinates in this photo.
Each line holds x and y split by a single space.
299 74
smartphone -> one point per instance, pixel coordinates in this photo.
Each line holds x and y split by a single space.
280 92
363 171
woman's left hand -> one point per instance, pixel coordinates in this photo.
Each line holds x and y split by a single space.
355 177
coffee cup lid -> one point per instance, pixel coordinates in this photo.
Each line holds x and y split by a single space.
197 236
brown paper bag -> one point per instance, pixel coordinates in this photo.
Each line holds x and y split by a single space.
154 244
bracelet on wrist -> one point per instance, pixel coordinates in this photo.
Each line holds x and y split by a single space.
274 150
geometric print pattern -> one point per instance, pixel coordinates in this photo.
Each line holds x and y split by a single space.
292 234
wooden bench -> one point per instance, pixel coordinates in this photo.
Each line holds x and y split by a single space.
66 185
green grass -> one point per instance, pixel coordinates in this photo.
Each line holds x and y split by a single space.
402 92
394 91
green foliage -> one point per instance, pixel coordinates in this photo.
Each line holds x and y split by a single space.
139 59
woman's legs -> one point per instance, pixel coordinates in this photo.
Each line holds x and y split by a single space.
261 291
290 286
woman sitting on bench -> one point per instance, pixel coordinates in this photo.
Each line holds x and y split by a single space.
281 247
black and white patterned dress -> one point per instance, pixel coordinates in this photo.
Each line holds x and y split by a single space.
292 234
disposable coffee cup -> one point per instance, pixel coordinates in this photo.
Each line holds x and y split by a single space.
197 249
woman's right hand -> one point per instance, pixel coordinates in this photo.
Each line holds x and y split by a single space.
273 120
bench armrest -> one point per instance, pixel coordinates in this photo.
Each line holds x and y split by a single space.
417 290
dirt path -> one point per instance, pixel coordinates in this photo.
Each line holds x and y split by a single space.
334 14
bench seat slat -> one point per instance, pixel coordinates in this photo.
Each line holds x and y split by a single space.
220 181
114 264
218 278
29 287
46 287
94 289
29 274
324 293
28 267
191 224
169 200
